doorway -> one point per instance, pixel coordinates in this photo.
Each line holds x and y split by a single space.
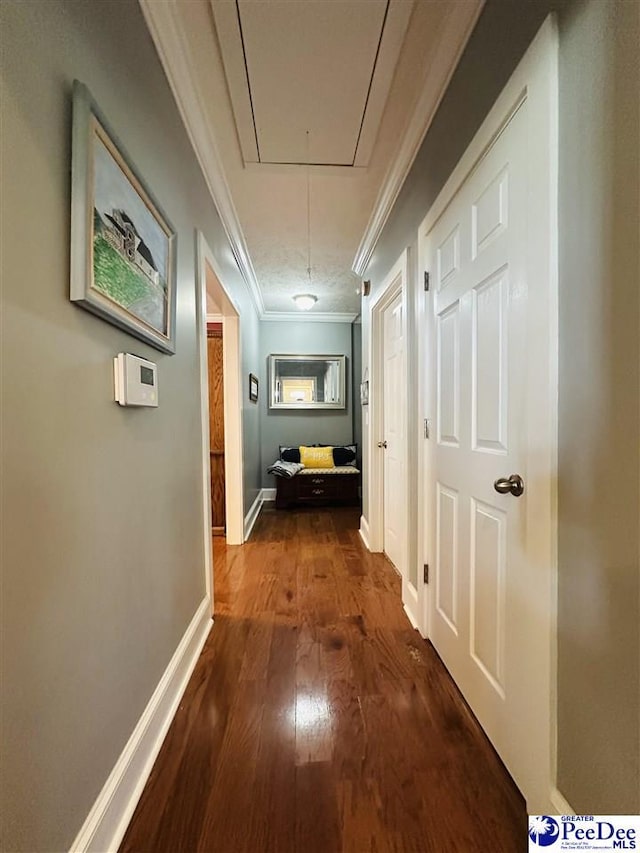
212 289
215 362
388 441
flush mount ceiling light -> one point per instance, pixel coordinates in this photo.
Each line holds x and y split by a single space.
305 301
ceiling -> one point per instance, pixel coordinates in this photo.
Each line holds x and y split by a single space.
306 116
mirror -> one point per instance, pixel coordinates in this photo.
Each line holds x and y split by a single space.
307 381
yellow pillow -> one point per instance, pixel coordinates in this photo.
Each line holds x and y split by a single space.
316 457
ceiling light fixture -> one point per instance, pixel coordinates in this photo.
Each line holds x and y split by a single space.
306 301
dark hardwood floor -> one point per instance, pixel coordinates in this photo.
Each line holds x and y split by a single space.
317 719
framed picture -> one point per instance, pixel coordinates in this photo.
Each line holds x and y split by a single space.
364 393
123 247
253 388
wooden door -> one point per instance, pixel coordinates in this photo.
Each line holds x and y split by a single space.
216 428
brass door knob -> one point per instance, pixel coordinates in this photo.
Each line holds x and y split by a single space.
513 485
382 444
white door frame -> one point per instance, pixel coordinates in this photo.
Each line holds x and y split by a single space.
210 277
395 283
536 79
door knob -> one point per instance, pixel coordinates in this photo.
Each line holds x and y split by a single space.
382 444
513 485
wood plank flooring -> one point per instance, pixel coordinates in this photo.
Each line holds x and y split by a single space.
317 719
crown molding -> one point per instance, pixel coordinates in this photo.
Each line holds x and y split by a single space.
165 26
456 32
306 317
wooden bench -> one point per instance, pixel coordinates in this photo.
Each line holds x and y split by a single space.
319 486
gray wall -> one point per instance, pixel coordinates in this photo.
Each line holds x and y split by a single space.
304 427
599 607
599 642
102 541
251 418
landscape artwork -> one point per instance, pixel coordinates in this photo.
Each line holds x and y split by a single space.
130 249
123 248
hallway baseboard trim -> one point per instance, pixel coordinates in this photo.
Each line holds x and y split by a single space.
412 619
268 495
559 803
109 817
364 532
252 515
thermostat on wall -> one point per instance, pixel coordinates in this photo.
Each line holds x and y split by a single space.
136 380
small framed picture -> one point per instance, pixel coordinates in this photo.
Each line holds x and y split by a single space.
364 393
253 388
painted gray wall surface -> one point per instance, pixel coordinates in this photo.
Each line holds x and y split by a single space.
303 427
599 607
251 418
599 640
102 541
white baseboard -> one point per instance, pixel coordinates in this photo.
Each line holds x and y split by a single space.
364 532
107 821
412 618
252 515
263 496
559 803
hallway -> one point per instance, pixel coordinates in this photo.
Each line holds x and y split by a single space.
317 719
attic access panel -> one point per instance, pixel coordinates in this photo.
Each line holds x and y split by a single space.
317 66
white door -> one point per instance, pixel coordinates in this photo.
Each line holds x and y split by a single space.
393 441
490 601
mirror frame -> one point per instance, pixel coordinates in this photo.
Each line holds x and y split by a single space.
340 404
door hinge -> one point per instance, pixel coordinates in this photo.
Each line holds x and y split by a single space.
426 427
426 572
426 281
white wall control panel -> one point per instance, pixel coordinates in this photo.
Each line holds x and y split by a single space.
136 380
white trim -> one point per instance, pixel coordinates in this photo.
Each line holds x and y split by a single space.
425 355
364 532
165 26
536 79
109 817
214 318
252 516
232 359
233 451
306 316
560 805
268 495
457 29
201 326
549 53
411 617
395 283
411 601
